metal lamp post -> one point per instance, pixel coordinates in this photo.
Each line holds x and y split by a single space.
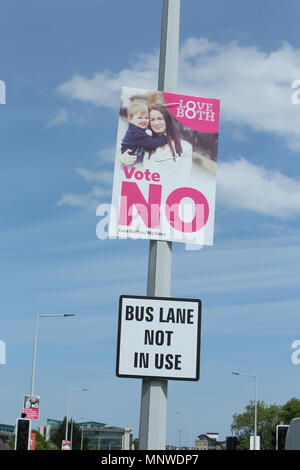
152 434
255 404
179 432
81 442
68 406
72 424
37 317
190 425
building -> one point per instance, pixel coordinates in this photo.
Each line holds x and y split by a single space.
98 434
7 432
209 441
106 437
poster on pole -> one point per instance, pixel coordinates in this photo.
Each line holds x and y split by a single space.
165 167
158 337
65 445
31 406
32 441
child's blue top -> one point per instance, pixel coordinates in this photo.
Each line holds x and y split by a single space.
137 138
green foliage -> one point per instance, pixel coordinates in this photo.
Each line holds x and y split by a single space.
268 416
60 434
290 410
136 444
11 444
41 443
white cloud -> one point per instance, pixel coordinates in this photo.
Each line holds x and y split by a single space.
61 117
255 87
100 183
95 176
242 185
107 154
88 201
103 88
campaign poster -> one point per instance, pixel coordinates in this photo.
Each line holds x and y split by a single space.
165 167
32 441
31 406
66 445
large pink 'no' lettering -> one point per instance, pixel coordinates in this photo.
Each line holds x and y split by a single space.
201 210
149 210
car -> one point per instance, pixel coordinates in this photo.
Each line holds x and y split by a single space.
292 441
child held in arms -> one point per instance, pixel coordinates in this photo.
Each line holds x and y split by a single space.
138 137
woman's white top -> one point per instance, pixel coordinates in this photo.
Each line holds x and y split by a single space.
163 161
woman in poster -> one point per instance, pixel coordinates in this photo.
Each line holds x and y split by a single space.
175 155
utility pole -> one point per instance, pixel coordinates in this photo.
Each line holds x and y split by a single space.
154 392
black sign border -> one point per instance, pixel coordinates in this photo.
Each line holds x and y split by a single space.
159 377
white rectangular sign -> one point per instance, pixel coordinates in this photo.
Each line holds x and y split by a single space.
158 337
2 92
257 441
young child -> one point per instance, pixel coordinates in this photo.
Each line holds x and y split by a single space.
136 138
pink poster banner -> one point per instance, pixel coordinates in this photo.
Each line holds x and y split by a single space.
199 114
165 167
31 406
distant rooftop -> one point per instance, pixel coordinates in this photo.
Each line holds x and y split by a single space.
86 424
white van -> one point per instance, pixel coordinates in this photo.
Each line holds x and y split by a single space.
292 441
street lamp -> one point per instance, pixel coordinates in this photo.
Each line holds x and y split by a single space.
72 424
81 442
180 432
37 317
68 406
255 404
190 432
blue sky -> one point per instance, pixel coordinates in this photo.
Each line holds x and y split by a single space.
63 63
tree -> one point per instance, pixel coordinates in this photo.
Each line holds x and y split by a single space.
41 443
267 419
60 435
268 416
290 410
136 444
11 444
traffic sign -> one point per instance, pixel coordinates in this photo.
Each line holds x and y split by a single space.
158 337
22 434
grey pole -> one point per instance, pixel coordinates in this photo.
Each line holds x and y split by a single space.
34 355
71 438
255 414
169 46
81 442
68 407
190 425
35 342
255 406
67 415
154 392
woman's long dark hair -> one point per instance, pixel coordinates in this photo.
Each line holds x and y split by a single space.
172 131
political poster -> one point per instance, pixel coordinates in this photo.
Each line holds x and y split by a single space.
165 167
66 445
32 441
31 406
